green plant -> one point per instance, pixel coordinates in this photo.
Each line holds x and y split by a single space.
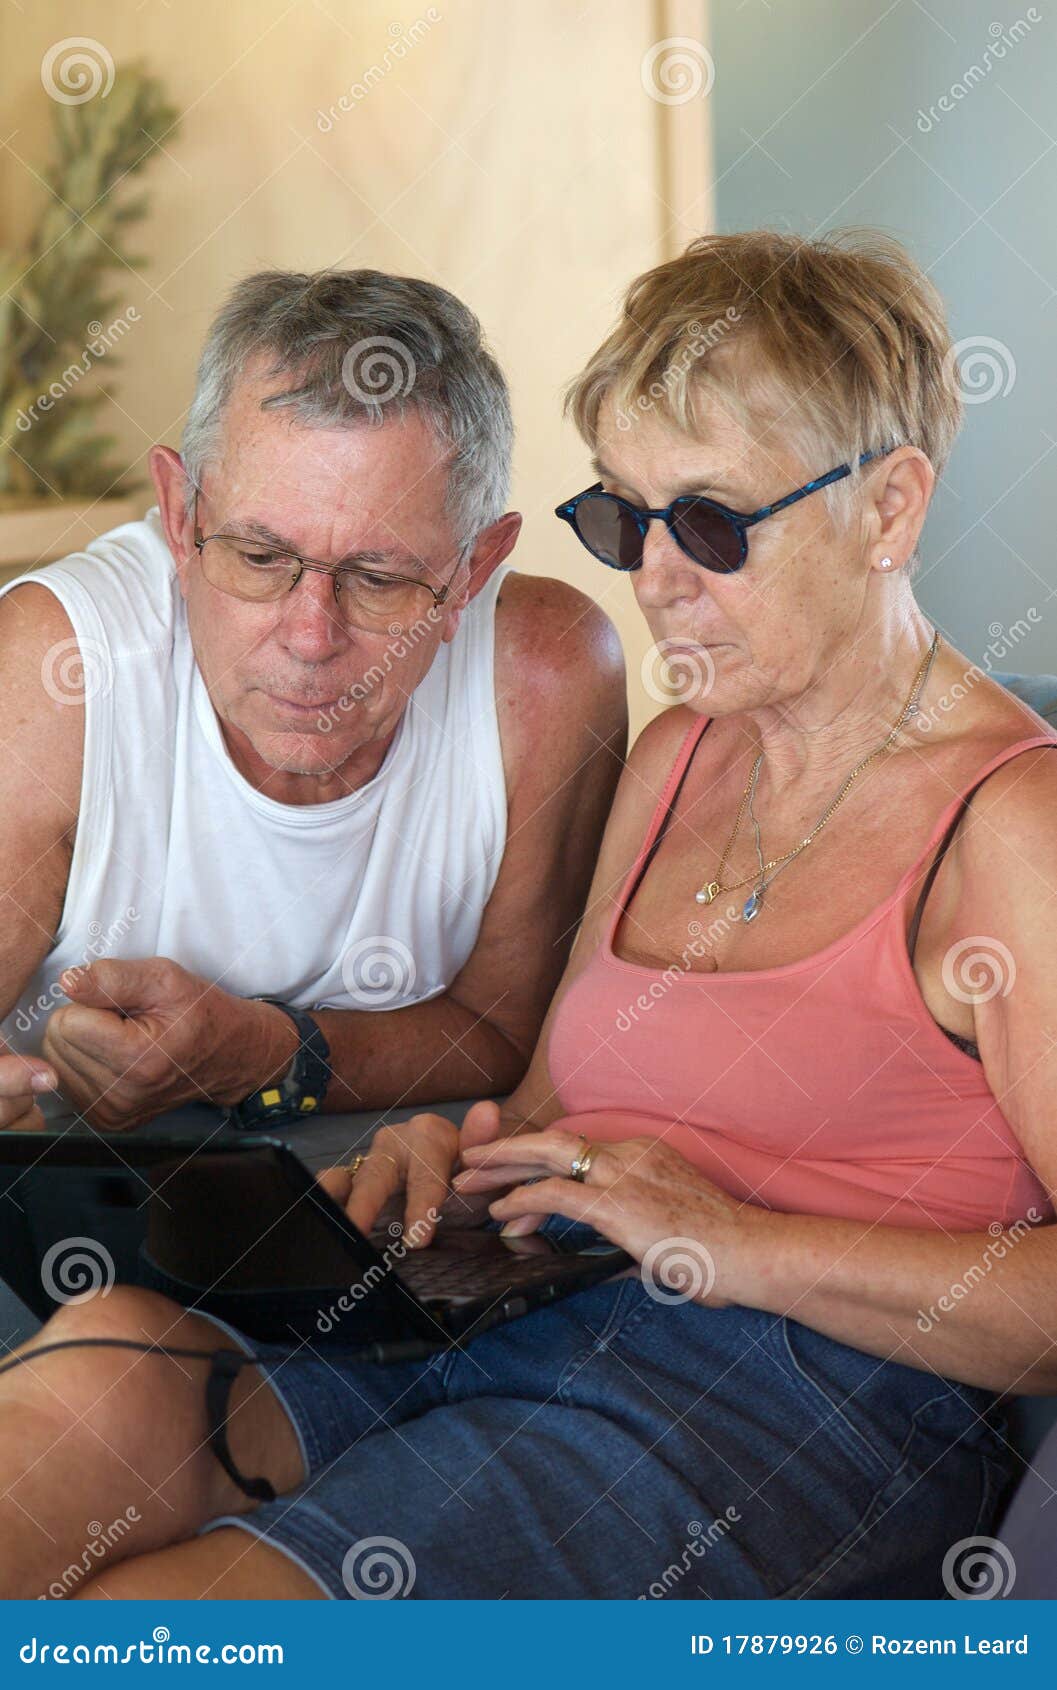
57 298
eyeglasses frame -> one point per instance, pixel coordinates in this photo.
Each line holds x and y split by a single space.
738 520
317 565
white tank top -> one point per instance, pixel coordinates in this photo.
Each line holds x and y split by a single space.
373 901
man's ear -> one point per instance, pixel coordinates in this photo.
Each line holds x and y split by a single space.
494 545
170 483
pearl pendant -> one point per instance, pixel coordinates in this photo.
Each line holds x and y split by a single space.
707 893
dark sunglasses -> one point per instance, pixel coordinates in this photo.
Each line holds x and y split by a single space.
614 531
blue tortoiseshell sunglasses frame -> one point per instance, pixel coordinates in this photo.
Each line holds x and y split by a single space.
737 520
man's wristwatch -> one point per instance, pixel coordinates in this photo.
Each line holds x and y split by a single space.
302 1088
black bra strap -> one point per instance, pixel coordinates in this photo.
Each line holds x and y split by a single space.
912 933
944 846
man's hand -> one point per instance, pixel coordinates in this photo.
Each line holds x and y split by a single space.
21 1079
140 1037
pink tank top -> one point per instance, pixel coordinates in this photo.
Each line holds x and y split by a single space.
819 1087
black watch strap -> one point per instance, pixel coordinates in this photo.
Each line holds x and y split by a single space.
302 1089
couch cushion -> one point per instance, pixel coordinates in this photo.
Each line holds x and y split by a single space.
1039 692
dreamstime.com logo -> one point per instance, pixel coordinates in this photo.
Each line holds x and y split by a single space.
77 1269
403 1239
403 39
159 1650
678 69
700 1539
76 69
978 1569
1003 1239
671 674
378 1569
378 369
678 1270
76 670
979 968
100 1539
980 368
377 970
99 343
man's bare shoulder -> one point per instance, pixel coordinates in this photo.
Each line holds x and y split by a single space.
555 631
42 704
559 668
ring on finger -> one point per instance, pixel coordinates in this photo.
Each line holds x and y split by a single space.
582 1161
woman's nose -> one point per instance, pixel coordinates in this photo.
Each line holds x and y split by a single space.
667 574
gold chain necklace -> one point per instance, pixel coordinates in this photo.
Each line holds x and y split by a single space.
712 889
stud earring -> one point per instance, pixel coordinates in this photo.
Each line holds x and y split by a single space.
886 563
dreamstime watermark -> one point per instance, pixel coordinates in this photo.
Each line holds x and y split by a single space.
101 341
1003 37
100 943
402 41
1002 642
978 1569
40 1652
100 1539
979 968
76 69
677 69
402 641
703 340
77 1269
1003 1238
701 939
403 1239
74 671
377 970
378 369
673 673
979 369
678 1270
699 1541
378 1569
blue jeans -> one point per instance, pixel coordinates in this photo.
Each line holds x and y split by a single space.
613 1445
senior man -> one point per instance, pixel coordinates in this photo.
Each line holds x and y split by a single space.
301 788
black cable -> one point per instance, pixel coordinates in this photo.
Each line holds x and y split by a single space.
226 1365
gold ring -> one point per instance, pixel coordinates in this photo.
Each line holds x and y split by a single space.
355 1165
582 1161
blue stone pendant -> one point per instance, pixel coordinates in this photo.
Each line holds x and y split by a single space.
751 907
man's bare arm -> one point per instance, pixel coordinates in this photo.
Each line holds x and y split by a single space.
563 722
41 751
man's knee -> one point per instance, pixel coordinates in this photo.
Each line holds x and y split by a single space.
84 1374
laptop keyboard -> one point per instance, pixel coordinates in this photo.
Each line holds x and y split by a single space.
476 1275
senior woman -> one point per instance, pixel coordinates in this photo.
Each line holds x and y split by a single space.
801 1063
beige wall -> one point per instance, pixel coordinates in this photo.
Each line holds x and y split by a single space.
511 154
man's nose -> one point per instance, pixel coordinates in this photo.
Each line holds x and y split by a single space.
311 627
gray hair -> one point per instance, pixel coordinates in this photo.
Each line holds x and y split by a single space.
362 346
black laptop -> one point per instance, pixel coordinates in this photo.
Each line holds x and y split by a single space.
238 1227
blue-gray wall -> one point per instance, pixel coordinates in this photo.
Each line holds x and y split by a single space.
829 114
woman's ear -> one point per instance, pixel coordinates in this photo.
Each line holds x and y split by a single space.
898 501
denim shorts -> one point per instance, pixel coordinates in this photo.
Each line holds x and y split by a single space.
620 1444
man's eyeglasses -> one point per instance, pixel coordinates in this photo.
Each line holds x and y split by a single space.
614 531
373 600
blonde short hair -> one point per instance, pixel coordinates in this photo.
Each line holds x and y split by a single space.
836 346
